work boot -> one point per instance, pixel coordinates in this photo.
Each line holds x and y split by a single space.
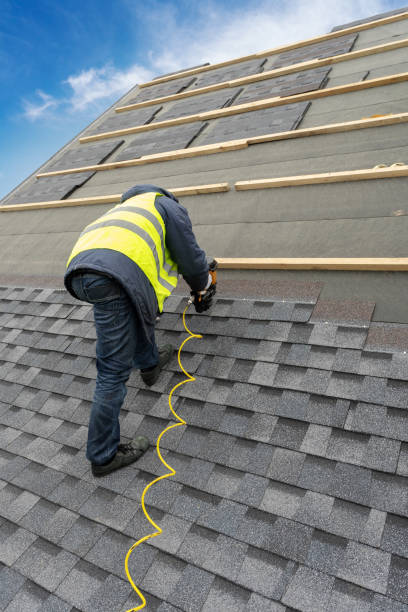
150 375
125 455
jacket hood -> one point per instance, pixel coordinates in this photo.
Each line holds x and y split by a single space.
138 189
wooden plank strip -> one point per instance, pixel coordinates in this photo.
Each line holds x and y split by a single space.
332 128
110 199
178 96
200 189
315 263
254 106
113 198
303 43
324 177
233 145
269 74
221 147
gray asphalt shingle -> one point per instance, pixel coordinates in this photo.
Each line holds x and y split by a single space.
309 590
191 590
265 573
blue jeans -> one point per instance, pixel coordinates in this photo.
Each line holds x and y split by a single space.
120 346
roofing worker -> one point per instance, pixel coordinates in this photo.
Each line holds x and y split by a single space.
126 263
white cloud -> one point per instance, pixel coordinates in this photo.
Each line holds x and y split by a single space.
222 33
36 110
96 84
92 88
217 34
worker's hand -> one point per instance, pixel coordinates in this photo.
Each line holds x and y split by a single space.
202 300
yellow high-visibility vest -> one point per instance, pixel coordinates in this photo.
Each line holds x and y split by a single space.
135 229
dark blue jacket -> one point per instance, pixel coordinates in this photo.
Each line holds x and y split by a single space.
182 245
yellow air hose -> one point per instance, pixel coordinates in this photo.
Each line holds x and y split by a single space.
172 471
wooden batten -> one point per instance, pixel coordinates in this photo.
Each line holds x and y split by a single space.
234 145
253 106
380 264
109 199
178 96
221 147
112 199
200 189
324 178
333 128
303 43
269 74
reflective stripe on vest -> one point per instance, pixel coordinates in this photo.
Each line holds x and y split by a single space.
135 229
169 267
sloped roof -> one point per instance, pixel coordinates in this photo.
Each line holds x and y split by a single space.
291 484
333 103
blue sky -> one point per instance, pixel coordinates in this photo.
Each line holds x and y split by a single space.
62 62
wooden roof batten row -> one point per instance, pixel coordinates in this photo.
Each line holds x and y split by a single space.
373 264
303 43
379 264
269 74
111 199
396 170
253 106
243 143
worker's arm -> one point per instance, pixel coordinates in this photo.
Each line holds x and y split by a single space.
182 244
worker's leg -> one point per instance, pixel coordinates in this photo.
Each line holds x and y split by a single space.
118 333
146 353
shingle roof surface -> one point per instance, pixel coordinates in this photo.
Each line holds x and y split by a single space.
291 484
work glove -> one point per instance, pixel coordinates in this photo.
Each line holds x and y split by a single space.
202 300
